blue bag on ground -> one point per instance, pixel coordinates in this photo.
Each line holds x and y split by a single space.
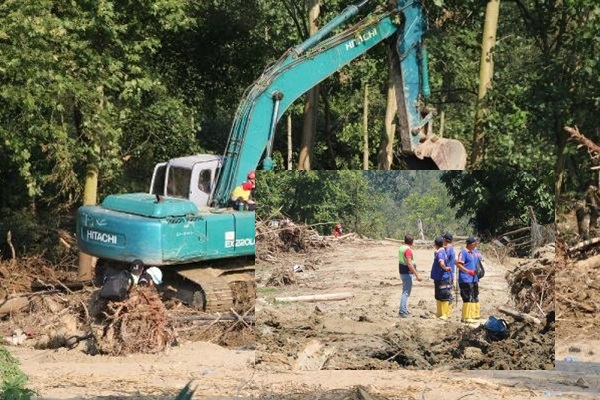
496 328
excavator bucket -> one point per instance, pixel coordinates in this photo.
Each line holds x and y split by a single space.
409 75
446 153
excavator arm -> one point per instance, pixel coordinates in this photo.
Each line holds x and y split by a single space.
304 66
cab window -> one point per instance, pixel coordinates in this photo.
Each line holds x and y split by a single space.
204 182
179 182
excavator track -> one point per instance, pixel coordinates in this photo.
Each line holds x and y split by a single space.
214 294
209 289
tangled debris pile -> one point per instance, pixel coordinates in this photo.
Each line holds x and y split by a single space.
135 325
532 282
274 237
44 308
17 276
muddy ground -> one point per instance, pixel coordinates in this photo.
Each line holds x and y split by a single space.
72 344
578 320
364 332
228 370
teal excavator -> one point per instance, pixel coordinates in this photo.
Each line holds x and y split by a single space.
184 221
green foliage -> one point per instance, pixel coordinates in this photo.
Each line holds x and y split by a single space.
497 200
375 204
12 379
71 76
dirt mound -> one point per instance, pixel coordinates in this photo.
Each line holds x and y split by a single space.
578 288
532 282
462 347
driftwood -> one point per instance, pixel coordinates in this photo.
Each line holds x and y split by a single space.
520 316
224 318
317 297
590 263
584 244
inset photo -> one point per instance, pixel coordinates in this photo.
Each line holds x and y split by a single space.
404 270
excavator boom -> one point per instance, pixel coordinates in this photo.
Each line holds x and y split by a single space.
304 66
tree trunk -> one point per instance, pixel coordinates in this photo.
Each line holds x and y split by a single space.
86 261
486 71
311 109
385 156
366 129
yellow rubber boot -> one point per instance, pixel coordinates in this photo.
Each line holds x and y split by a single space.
438 313
448 305
477 311
443 308
465 312
470 313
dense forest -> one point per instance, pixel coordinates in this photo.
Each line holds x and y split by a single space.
109 88
382 204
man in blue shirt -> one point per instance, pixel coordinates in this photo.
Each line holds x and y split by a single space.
442 280
468 282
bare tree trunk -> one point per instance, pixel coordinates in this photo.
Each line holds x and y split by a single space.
289 140
486 71
385 156
311 109
86 262
366 129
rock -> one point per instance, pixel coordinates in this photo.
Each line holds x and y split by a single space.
473 353
582 383
313 356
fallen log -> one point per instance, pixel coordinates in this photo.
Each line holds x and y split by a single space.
64 287
590 263
317 297
520 316
520 230
224 318
584 244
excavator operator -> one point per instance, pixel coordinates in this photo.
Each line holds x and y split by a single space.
242 195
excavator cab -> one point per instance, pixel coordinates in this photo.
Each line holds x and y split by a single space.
193 178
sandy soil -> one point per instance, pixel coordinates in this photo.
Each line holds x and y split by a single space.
64 374
365 332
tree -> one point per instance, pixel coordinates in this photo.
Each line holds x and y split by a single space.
497 200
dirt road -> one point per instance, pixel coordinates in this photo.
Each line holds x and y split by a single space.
64 374
365 333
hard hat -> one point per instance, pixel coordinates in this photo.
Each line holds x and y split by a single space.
251 175
156 274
